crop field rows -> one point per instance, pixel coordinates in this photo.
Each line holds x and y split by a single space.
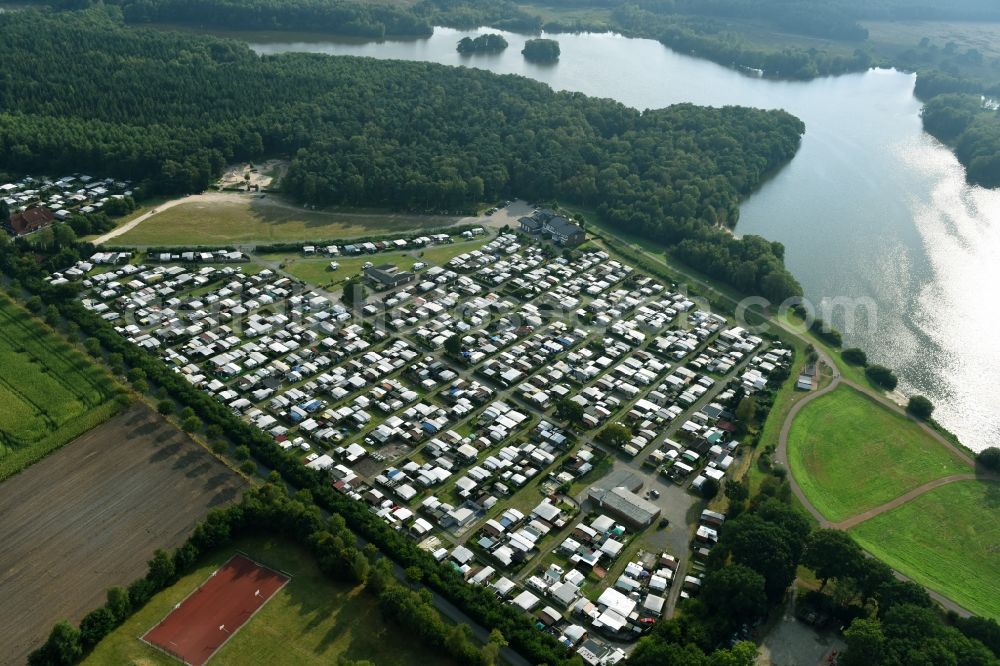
49 392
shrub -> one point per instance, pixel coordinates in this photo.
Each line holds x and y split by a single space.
920 407
855 356
989 458
881 376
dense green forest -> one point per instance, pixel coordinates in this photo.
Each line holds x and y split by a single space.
343 17
168 110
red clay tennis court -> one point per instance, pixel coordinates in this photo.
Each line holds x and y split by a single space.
210 615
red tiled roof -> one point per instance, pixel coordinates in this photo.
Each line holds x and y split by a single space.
30 220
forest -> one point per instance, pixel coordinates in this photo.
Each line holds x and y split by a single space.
81 91
375 20
964 121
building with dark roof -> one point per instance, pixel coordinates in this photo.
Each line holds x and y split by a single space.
563 232
387 276
530 225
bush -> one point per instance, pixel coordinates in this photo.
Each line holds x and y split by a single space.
881 376
920 407
989 458
165 407
709 489
62 647
855 356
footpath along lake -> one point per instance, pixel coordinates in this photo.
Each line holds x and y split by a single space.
870 208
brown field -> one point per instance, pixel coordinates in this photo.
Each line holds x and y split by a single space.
89 517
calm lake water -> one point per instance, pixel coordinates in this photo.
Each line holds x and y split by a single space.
871 207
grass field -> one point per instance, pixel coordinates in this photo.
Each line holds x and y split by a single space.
223 218
948 540
317 271
312 620
849 454
49 391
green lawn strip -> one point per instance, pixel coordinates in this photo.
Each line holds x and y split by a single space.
850 454
312 620
947 540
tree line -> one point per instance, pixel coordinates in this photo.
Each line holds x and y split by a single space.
168 110
341 17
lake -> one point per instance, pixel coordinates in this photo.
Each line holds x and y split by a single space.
871 209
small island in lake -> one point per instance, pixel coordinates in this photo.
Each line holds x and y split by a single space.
488 43
541 50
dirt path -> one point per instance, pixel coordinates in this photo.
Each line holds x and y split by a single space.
904 498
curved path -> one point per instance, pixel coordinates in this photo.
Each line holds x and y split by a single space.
902 499
781 455
781 452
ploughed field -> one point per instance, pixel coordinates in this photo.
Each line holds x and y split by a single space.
89 517
850 454
49 391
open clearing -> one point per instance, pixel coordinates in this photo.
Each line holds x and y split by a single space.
311 620
850 454
49 391
947 540
89 517
219 218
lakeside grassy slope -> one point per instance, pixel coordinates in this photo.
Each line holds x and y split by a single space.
947 540
312 620
849 454
49 392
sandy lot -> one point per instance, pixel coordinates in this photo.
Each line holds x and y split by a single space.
89 517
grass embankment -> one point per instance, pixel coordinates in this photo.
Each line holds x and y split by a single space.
947 540
50 393
228 218
850 454
312 620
